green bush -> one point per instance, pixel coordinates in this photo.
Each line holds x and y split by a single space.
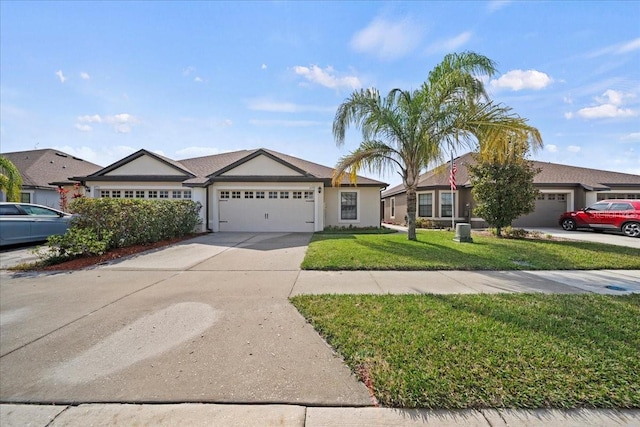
425 223
514 233
75 243
126 222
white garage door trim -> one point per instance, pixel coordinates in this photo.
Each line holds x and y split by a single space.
266 209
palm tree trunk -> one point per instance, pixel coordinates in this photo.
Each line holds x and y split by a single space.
411 213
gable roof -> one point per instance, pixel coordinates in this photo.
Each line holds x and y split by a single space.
551 174
202 171
46 168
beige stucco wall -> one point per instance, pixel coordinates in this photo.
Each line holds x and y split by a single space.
368 206
261 166
145 165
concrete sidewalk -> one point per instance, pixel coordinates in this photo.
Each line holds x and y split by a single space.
196 414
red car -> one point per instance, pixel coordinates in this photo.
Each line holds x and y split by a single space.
614 215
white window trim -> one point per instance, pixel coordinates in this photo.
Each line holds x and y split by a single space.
392 208
455 203
433 199
358 203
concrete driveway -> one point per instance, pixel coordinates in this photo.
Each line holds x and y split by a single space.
206 320
590 236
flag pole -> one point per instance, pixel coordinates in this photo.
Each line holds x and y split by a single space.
453 205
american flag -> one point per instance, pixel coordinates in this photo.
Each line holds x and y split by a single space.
452 175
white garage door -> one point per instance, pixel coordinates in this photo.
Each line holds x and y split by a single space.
549 207
266 210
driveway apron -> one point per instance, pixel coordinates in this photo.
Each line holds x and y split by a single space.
207 320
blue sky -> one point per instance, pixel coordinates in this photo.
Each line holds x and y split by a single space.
101 80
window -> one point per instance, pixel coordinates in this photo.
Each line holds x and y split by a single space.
447 201
224 194
598 207
540 196
551 196
139 194
153 194
348 206
259 194
297 194
116 194
176 194
621 207
562 197
186 194
425 205
235 194
164 194
248 194
105 193
308 195
273 194
128 194
25 197
393 207
284 194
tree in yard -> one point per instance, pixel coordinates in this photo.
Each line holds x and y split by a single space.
406 131
10 180
503 187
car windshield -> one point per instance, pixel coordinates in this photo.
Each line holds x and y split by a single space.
37 210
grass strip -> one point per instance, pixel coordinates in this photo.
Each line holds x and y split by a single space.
487 351
436 250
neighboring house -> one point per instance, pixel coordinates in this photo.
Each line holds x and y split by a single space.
43 171
248 190
562 188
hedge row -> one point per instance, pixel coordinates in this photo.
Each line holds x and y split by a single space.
126 222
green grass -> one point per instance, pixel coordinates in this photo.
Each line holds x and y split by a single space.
436 250
487 351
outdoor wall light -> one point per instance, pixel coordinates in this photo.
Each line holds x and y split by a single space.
319 190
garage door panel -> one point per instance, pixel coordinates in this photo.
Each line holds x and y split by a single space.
548 209
267 214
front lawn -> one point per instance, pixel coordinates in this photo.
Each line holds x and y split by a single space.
487 351
436 250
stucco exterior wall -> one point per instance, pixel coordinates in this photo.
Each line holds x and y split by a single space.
145 165
368 207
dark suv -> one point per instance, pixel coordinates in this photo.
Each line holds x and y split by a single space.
614 215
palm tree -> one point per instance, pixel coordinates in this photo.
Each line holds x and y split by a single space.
10 180
408 130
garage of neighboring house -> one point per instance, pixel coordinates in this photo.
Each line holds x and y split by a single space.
266 209
549 207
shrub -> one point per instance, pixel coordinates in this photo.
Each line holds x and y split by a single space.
126 222
514 233
75 243
425 223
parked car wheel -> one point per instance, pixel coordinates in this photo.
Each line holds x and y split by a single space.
631 229
568 224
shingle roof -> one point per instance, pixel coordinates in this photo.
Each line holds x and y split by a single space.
203 170
551 174
39 168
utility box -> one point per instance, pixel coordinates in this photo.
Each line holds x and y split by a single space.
463 233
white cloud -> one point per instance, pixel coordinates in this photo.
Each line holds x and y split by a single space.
90 119
518 79
122 123
631 137
551 148
190 69
61 76
494 5
613 97
388 40
568 115
263 67
451 44
189 152
605 111
83 128
263 104
327 77
198 79
617 49
286 123
573 149
85 76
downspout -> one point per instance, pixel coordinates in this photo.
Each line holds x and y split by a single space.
207 209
